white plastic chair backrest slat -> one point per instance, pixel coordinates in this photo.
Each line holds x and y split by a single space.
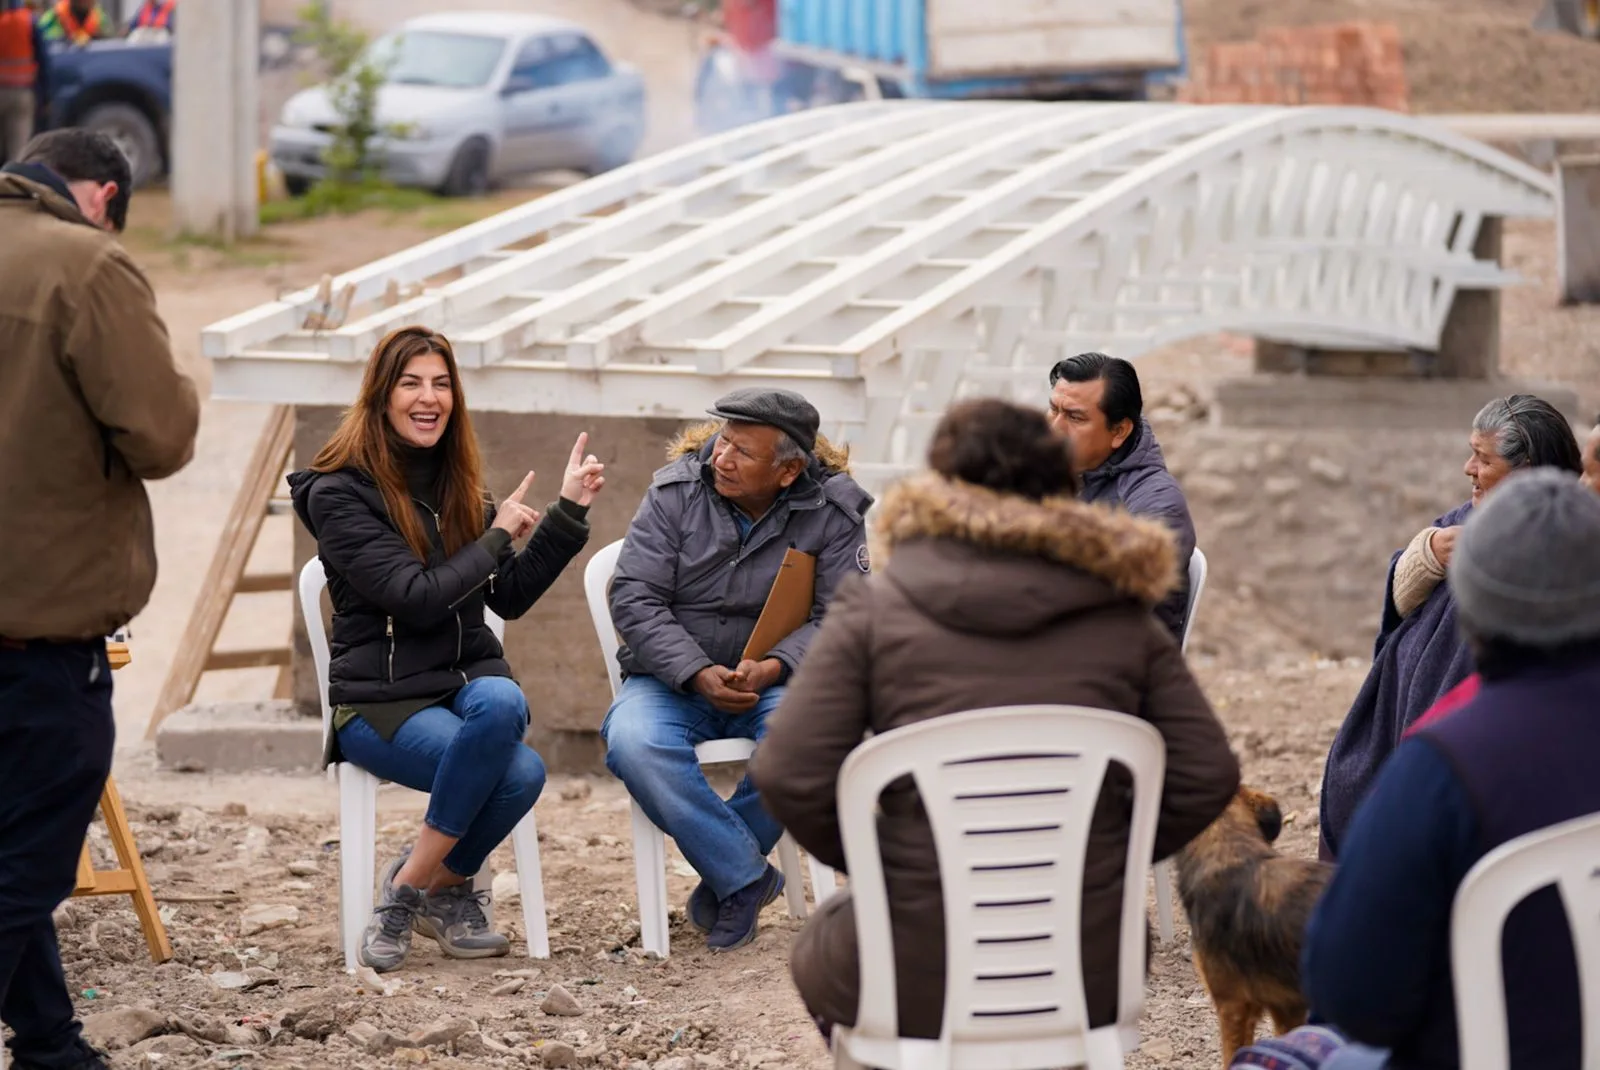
1566 855
1010 793
596 588
313 580
1197 584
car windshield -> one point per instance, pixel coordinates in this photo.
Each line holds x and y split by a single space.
433 57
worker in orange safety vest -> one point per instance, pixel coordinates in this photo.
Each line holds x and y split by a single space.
23 59
76 22
155 15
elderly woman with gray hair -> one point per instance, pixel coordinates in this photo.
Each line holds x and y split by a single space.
1420 655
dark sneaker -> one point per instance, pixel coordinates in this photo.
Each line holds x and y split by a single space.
702 908
386 878
737 914
454 917
387 938
80 1057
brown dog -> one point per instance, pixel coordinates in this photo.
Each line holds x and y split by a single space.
1248 907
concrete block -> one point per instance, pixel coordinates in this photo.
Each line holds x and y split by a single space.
240 737
1303 403
1282 358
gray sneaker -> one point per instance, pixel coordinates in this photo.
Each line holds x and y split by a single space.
454 917
387 938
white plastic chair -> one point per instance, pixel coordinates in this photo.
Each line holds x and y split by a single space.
358 809
1010 793
1566 855
1165 878
649 842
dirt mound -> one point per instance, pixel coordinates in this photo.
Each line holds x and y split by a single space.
1299 529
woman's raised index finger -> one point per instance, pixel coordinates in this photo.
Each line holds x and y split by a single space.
577 449
522 488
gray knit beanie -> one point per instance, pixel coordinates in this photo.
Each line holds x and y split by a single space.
1526 566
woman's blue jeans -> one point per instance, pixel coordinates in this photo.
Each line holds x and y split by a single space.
469 757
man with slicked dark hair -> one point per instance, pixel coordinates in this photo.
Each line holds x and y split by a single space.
1096 402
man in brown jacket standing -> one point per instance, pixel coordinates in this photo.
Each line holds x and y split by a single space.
93 404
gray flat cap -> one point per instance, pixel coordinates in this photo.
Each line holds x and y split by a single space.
783 409
1526 566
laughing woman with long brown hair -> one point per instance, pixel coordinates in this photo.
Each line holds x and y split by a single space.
415 549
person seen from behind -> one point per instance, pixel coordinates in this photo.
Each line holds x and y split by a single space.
1420 656
997 586
1517 757
1096 402
415 553
94 404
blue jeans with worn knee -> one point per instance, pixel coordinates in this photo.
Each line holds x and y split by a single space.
469 757
650 733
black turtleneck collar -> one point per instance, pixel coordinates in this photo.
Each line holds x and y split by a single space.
423 468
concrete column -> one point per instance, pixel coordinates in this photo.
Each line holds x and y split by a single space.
1469 345
1578 229
216 55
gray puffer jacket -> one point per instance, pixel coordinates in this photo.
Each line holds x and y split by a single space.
1136 478
688 592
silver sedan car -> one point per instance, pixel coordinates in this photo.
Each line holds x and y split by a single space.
471 99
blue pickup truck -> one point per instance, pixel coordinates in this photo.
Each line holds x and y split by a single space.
120 88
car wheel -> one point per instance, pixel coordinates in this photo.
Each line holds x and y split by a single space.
127 126
469 171
297 185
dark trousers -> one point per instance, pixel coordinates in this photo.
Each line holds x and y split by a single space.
56 740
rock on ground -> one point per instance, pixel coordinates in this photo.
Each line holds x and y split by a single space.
556 1053
116 1029
560 1002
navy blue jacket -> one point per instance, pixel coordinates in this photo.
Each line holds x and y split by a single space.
1136 478
1518 758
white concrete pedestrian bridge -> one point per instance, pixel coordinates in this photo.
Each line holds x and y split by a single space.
886 257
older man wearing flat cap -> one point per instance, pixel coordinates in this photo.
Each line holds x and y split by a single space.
697 565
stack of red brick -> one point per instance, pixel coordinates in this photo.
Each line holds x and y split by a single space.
1345 63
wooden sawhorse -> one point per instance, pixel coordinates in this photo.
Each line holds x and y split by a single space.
130 879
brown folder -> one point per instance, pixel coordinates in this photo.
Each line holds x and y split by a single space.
788 604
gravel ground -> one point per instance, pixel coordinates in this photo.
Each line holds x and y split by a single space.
278 997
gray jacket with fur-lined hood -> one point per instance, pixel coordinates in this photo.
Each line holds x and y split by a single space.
688 589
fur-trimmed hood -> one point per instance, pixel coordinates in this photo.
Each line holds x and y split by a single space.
998 563
833 460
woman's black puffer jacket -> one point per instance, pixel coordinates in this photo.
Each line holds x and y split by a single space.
404 629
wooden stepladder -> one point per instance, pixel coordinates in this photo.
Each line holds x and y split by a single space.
130 878
197 653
